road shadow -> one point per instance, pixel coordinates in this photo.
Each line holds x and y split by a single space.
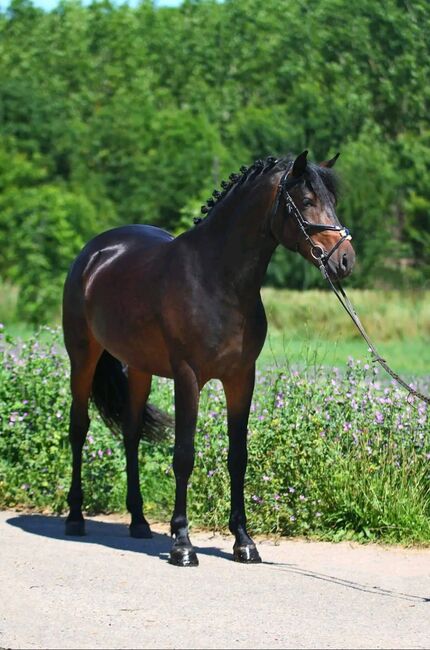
111 535
349 584
116 536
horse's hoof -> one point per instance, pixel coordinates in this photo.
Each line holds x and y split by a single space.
140 531
246 554
75 528
182 556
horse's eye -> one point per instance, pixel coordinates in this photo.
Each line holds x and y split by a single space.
307 203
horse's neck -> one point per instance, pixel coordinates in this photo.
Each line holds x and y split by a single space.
240 244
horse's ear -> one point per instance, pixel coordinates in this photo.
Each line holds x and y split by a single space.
330 163
299 165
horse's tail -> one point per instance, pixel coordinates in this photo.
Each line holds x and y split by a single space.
110 393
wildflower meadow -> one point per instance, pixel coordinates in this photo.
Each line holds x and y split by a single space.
334 454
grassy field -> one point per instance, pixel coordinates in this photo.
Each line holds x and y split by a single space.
411 357
311 328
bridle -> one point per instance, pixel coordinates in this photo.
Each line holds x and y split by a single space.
322 257
308 227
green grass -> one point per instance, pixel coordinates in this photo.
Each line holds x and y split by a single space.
411 358
386 315
311 328
8 301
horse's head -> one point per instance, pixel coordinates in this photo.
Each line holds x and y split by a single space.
304 216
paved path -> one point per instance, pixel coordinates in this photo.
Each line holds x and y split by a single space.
109 591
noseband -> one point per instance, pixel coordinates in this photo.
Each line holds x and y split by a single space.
307 227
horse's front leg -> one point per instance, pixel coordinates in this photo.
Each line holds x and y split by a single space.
238 392
186 407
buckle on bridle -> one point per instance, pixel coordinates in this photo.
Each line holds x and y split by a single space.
317 252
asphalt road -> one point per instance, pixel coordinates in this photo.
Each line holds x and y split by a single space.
107 590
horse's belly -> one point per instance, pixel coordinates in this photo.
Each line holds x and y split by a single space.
138 344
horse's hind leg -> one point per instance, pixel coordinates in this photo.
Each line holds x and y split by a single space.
83 364
139 386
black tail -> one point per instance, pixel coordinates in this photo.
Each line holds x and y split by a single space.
110 393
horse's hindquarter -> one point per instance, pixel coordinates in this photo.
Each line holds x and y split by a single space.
119 273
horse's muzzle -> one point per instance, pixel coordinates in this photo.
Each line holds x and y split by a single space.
341 265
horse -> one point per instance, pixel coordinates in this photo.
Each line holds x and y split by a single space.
139 302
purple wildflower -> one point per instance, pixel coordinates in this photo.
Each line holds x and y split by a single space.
379 418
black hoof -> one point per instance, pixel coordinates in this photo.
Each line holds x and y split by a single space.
75 528
182 556
246 554
140 531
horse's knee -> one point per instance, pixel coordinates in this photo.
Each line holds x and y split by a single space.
79 424
183 464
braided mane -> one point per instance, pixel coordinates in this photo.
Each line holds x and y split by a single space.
236 179
321 178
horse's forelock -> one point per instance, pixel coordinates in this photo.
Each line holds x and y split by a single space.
324 182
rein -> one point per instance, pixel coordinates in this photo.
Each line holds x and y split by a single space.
322 258
349 308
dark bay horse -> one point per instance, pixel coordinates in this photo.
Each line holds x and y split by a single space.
190 309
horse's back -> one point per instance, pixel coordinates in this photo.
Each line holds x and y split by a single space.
112 244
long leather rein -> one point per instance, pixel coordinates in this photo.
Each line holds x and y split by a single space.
322 257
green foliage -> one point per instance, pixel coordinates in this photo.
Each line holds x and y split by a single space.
334 455
370 202
134 114
43 226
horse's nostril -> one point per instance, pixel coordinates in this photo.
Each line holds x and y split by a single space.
344 262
